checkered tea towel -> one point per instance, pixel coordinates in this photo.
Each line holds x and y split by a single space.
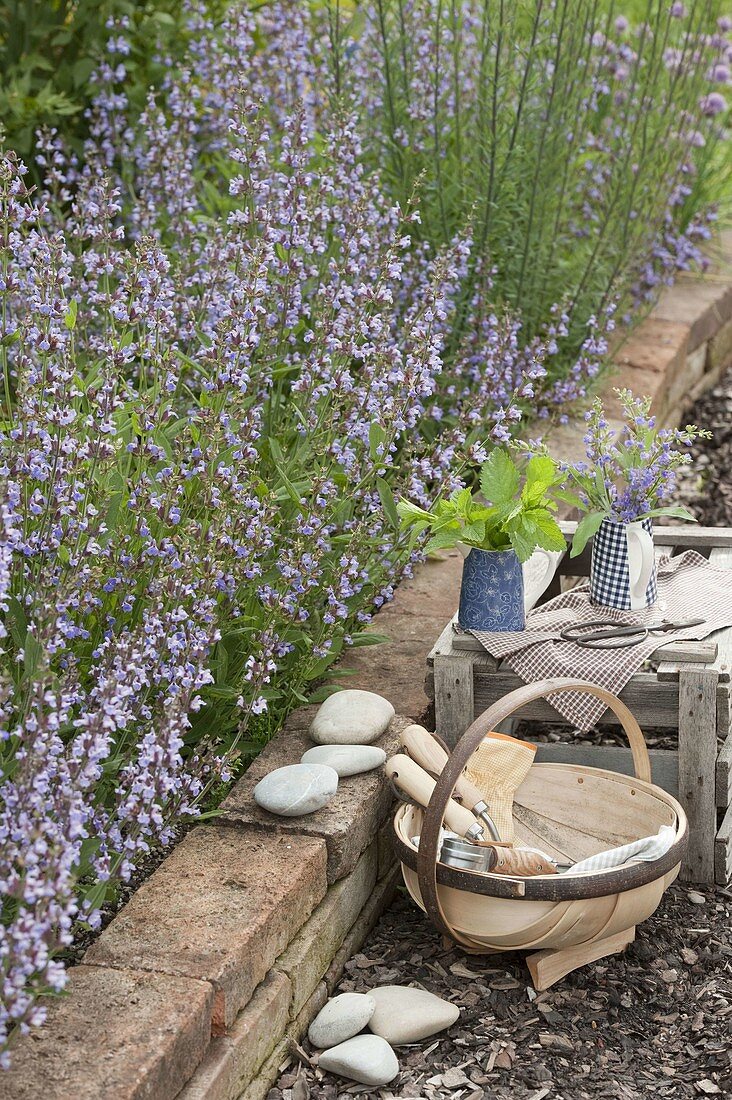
688 586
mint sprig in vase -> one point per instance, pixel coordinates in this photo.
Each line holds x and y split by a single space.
497 530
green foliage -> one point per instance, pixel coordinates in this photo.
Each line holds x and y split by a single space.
50 48
517 515
515 116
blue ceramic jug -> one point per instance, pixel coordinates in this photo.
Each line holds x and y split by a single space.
492 592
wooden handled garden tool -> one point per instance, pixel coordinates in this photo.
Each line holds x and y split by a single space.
418 785
503 859
430 755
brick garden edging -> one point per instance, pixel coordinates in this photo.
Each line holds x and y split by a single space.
219 961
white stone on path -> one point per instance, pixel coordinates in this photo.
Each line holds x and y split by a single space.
367 1059
406 1015
297 789
346 759
342 1018
351 717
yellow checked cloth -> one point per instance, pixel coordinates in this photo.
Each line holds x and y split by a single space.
498 768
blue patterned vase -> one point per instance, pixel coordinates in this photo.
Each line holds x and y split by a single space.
492 592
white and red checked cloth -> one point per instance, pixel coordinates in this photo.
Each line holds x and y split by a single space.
688 586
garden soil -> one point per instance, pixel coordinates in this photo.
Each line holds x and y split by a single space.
655 1021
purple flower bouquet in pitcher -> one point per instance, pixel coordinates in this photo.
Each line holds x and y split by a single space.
628 479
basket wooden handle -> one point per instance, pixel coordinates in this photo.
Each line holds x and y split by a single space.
463 752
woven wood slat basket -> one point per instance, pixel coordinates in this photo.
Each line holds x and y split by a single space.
570 812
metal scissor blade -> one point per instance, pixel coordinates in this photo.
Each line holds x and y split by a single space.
678 624
611 632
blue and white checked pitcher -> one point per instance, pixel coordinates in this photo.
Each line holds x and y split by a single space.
623 571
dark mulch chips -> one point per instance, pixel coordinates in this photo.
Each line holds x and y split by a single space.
655 1021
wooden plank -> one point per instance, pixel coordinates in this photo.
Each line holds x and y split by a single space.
684 536
676 654
653 703
664 762
444 644
697 763
702 652
723 851
723 780
454 706
723 711
721 556
662 551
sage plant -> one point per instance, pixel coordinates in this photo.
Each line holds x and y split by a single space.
222 359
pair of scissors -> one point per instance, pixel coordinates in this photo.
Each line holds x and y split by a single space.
606 634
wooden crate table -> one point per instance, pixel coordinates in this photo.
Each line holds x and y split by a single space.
684 687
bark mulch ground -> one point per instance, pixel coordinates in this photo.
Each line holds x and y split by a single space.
655 1021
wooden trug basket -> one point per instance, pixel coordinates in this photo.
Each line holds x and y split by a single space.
569 811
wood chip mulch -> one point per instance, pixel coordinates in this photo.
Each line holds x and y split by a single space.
653 1022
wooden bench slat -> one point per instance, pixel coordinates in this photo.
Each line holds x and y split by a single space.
697 765
724 775
664 762
723 851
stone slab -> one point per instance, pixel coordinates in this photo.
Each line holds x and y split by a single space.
421 606
720 349
379 900
655 345
351 819
309 955
704 303
381 897
234 1059
221 908
282 1054
114 1035
677 388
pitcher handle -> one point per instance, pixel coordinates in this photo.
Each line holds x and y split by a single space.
534 587
640 563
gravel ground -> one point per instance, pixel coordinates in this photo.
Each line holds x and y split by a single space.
654 1021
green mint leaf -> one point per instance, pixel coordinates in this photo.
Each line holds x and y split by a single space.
499 477
474 532
541 473
521 543
443 540
586 528
546 530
